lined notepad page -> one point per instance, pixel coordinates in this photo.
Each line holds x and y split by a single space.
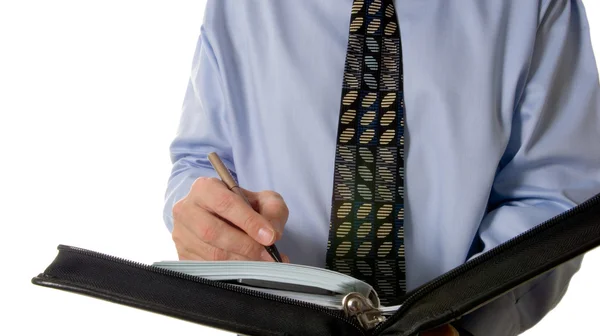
276 272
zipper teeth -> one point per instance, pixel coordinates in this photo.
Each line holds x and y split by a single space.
217 284
484 257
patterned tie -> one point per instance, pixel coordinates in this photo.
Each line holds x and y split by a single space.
366 235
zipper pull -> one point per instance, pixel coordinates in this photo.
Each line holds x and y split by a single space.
360 307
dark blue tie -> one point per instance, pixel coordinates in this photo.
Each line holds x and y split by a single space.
366 238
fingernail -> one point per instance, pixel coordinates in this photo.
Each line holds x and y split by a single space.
266 256
265 236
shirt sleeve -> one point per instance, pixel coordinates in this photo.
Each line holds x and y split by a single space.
551 163
202 127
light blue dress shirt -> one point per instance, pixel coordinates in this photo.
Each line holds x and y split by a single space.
502 114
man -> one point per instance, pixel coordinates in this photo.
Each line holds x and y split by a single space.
425 132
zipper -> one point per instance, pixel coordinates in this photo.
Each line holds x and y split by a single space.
340 315
416 294
357 306
358 311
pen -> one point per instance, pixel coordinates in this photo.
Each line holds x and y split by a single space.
230 182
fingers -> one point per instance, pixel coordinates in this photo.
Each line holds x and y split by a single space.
189 247
213 195
214 223
271 206
210 238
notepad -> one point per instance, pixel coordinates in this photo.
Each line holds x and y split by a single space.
299 282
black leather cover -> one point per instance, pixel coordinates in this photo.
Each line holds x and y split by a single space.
440 301
500 270
77 270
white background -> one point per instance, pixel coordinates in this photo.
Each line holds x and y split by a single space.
90 96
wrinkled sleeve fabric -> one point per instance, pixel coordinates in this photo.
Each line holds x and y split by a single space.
202 127
551 164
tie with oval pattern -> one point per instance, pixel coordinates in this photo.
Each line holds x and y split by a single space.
366 235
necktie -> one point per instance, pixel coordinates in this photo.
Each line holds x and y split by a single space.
366 235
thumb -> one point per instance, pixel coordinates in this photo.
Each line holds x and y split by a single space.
271 206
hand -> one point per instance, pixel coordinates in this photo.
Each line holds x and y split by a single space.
214 223
445 330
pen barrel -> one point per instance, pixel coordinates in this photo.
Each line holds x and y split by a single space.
222 170
228 179
271 249
239 192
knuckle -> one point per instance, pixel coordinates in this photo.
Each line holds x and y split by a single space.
285 210
272 194
177 209
175 235
278 205
224 203
199 183
181 251
247 249
182 255
185 254
218 254
251 223
207 233
203 185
